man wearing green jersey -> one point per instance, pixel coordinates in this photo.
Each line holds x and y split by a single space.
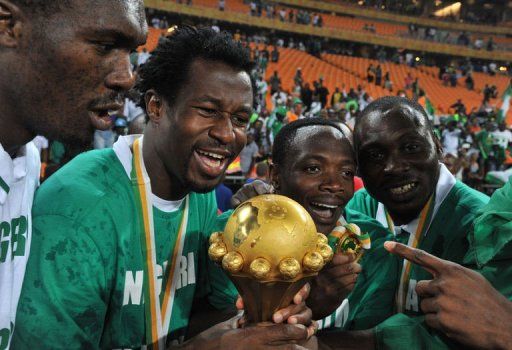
118 253
64 64
413 195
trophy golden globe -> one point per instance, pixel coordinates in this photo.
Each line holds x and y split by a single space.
270 249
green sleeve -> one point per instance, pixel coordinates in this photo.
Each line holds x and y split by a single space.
63 300
499 274
405 332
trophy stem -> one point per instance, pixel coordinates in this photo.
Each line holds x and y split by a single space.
262 299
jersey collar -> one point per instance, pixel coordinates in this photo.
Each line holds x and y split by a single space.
6 174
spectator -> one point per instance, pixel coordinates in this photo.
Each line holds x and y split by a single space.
459 107
274 55
296 112
262 173
297 79
306 95
479 43
450 138
470 83
388 84
249 154
323 92
336 97
222 5
378 75
408 80
275 83
370 73
490 44
282 14
474 172
502 137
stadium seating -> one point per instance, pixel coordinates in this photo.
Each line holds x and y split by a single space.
339 70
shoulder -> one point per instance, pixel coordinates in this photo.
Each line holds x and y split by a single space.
89 179
363 203
365 222
463 197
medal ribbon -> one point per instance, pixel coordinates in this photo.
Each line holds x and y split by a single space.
157 316
414 241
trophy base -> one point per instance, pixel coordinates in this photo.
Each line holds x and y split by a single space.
262 299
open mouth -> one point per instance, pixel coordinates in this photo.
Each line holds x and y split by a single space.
212 163
323 210
100 117
403 189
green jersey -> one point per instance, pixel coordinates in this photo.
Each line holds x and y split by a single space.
490 242
84 281
373 300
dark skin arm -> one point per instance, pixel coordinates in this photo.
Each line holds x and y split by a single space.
226 335
460 302
332 285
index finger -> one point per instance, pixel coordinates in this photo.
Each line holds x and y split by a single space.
429 262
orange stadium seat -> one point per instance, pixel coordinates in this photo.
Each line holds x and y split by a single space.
339 70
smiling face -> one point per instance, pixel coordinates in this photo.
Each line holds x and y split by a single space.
205 129
398 160
320 175
72 66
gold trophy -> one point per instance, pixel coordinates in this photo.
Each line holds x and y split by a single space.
269 248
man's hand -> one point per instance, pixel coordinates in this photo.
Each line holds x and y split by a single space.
227 335
460 302
250 190
333 284
296 313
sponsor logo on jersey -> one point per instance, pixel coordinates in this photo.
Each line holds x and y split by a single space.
134 279
14 234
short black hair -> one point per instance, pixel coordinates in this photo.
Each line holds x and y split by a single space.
284 138
389 102
167 70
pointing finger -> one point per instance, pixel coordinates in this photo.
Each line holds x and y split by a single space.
429 262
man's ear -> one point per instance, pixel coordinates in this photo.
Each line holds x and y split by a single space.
154 106
438 145
10 24
274 176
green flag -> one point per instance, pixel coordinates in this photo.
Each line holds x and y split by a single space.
429 108
502 113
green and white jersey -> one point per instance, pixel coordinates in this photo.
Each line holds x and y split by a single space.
372 303
19 178
84 281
